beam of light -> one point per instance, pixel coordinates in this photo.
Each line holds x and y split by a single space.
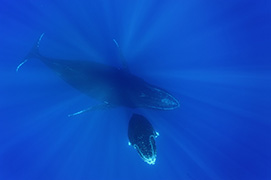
135 23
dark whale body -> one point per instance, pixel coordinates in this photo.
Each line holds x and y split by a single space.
115 87
142 137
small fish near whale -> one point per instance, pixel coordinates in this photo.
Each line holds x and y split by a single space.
113 87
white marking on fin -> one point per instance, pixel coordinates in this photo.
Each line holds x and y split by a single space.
123 61
18 67
41 36
116 43
79 112
97 107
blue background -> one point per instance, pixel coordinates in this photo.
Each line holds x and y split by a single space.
214 56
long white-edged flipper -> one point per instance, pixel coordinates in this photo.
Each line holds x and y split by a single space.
123 61
117 44
97 107
38 43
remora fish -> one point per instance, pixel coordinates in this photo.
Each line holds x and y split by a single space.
113 86
142 137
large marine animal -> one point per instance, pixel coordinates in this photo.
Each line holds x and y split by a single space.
142 137
112 86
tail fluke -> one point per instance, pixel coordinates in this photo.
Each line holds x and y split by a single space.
34 53
18 67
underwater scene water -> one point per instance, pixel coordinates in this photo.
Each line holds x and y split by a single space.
176 90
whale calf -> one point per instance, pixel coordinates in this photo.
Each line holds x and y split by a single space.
142 137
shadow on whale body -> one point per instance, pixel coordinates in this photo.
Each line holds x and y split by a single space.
110 85
142 137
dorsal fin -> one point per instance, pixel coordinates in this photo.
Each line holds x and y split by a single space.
123 61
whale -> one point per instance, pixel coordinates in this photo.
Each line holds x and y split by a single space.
142 137
110 85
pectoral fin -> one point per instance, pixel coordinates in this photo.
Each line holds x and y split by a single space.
97 107
123 61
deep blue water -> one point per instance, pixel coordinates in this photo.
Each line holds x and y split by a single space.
214 56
